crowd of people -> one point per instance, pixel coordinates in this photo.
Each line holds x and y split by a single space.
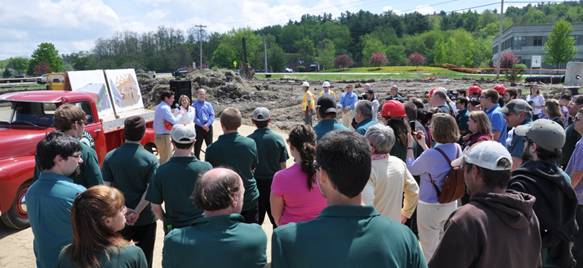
373 184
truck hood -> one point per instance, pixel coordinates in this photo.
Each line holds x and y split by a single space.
20 141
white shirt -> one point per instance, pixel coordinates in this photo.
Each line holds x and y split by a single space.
389 180
184 116
537 100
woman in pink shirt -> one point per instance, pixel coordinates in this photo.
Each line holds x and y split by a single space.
295 196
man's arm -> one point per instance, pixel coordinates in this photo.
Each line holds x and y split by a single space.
168 116
139 208
158 211
211 111
91 172
277 252
450 245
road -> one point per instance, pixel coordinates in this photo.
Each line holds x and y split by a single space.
17 251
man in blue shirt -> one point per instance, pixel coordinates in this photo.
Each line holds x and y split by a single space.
517 112
326 108
347 101
163 122
203 121
489 102
363 116
50 198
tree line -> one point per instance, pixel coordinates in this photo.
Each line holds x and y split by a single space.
353 39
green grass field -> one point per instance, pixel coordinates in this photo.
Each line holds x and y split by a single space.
386 72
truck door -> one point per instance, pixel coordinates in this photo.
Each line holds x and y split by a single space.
94 129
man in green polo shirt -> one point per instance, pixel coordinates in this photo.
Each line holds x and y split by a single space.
175 180
130 169
239 153
346 234
272 155
71 120
50 198
326 108
220 238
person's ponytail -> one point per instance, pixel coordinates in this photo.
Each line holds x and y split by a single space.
303 139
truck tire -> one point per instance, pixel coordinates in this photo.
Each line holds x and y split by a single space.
151 147
17 217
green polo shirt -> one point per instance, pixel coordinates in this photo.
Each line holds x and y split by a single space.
49 201
238 153
327 125
173 185
364 125
346 236
130 169
117 257
89 175
271 152
219 241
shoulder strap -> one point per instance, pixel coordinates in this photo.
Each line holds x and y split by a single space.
445 155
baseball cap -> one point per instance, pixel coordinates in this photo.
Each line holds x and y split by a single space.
326 104
305 84
474 89
260 114
393 108
485 154
500 88
183 134
326 84
516 106
545 133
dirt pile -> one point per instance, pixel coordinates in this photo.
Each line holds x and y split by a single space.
282 96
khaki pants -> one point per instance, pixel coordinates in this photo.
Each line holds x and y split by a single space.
431 220
164 147
347 118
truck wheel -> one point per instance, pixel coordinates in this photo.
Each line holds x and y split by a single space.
17 216
151 148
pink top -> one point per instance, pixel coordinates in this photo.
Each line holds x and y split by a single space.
299 203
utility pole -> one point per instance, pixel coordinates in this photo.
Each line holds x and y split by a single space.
500 41
265 54
200 32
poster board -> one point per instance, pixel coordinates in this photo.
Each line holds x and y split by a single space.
536 61
93 81
125 91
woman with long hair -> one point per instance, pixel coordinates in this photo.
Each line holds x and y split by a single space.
432 166
479 127
393 115
97 216
185 113
295 196
553 111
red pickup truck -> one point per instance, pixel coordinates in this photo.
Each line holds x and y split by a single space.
25 118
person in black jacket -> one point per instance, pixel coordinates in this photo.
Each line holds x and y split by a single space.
541 176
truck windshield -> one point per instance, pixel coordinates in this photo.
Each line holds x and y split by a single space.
27 113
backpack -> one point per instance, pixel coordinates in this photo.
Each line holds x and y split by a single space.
454 186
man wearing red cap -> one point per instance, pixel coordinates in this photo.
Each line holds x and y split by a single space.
474 91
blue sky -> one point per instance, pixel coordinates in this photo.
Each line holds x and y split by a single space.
74 25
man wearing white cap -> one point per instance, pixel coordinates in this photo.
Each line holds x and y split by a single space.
174 182
498 227
326 91
308 104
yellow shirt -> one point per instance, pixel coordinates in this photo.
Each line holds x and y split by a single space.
308 101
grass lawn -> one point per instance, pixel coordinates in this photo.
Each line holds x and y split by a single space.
386 72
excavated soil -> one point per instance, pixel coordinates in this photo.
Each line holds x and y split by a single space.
283 96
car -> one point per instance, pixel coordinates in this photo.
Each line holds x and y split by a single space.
181 72
42 79
289 70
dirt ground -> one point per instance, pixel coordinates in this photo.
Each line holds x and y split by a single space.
17 251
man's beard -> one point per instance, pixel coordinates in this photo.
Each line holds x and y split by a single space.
76 172
527 155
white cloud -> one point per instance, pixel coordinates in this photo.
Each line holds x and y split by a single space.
425 9
390 8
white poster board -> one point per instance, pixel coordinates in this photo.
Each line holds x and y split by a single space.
536 61
125 90
94 82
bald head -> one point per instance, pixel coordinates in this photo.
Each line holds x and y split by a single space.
219 189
